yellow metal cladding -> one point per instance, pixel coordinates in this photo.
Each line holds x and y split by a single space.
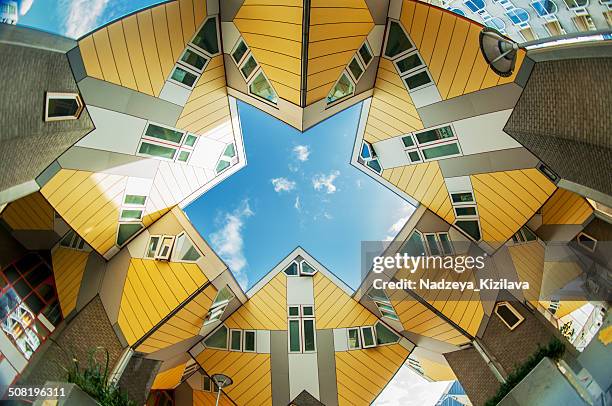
435 371
186 323
139 51
207 107
362 374
266 310
273 31
68 268
449 45
335 309
251 373
506 200
337 29
423 182
528 260
169 378
462 308
392 111
31 212
89 202
152 290
201 398
565 207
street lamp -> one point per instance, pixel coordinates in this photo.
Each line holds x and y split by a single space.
222 381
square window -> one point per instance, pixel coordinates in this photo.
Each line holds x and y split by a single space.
408 141
183 156
414 156
307 311
190 140
194 60
183 76
294 311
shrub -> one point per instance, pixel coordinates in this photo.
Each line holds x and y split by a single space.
554 350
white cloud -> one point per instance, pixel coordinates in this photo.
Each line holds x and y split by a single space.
407 388
327 215
82 15
283 185
404 214
326 182
228 242
297 204
302 152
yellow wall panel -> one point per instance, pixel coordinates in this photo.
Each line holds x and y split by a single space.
430 34
105 56
121 56
471 51
565 207
169 378
149 49
441 47
265 310
187 21
90 57
201 398
31 212
528 260
249 371
152 290
506 200
451 63
135 50
417 29
68 269
362 374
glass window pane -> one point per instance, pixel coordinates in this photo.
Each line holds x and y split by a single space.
185 249
223 296
193 59
408 141
414 246
249 341
190 140
239 51
378 294
365 151
163 133
294 335
507 314
374 165
131 214
414 156
248 67
206 39
294 311
470 227
307 269
344 87
447 246
183 156
353 338
435 134
384 335
157 150
529 235
222 165
308 311
309 335
397 41
262 88
127 231
152 247
465 197
408 63
292 269
368 336
184 77
432 244
365 53
441 151
218 339
355 69
465 211
236 340
420 79
62 107
230 151
135 199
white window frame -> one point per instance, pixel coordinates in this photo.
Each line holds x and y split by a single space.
459 204
131 219
414 73
476 219
297 265
513 310
348 345
133 205
252 79
205 377
348 96
463 206
419 147
247 52
243 62
76 242
218 308
428 247
365 43
190 70
227 338
159 237
302 314
363 344
442 245
177 146
582 233
194 49
399 337
360 63
301 273
174 253
162 244
303 336
382 53
289 315
230 333
299 322
70 96
408 72
244 334
197 31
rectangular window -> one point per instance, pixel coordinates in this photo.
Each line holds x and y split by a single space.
239 52
207 384
294 336
183 76
366 55
356 69
367 333
467 211
435 135
441 151
130 214
309 335
165 248
432 244
249 341
462 197
307 311
414 156
353 338
156 150
236 340
134 200
445 243
164 134
587 242
194 59
409 63
417 80
152 246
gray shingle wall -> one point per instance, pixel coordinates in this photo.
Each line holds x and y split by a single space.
138 377
475 376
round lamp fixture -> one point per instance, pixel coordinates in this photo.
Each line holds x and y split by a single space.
498 51
222 381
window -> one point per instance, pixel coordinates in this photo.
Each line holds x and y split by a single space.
365 54
235 340
306 269
74 241
152 246
508 315
368 158
524 235
384 335
292 269
261 88
462 197
223 298
431 144
408 141
126 231
248 67
397 40
355 68
382 302
344 87
414 245
441 151
194 59
63 106
134 200
302 329
206 38
239 52
465 211
586 241
354 341
167 143
222 165
130 214
446 244
367 333
207 384
165 248
470 227
249 341
185 250
230 151
218 339
409 63
435 135
418 80
184 76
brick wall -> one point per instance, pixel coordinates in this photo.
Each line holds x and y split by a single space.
475 376
87 330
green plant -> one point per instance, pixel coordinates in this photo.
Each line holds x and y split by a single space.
94 380
554 350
